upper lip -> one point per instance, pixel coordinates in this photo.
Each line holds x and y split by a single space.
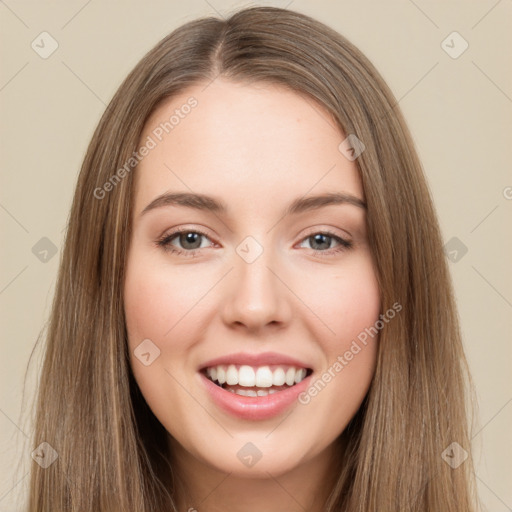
262 359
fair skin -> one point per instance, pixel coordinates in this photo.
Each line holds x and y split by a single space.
256 148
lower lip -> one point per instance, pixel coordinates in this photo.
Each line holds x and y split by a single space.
258 407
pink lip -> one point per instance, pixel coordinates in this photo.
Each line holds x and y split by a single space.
265 358
258 407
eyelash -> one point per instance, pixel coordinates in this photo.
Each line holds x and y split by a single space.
164 242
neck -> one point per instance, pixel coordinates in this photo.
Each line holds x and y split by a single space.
200 487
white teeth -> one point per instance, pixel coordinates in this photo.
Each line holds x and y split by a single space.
278 377
300 375
232 375
246 376
221 375
261 377
290 376
245 392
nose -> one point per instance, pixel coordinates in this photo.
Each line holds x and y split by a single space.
256 296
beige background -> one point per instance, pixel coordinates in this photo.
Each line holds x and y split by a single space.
459 111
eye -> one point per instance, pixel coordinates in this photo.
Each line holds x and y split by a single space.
188 238
321 241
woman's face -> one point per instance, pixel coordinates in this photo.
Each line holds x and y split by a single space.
266 289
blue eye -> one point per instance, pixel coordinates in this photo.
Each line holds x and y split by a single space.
190 240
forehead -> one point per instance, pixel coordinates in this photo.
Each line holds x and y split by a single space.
245 143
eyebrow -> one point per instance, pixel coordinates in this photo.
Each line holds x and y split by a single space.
211 204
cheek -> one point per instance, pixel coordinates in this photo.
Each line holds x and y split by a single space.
159 304
350 307
347 303
157 301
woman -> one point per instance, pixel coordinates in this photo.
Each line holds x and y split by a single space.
258 369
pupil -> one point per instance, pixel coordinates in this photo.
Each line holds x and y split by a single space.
318 239
189 238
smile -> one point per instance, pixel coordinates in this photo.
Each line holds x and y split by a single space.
255 386
256 381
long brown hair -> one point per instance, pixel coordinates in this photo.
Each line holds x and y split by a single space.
110 446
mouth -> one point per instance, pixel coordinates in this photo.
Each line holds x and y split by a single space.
256 381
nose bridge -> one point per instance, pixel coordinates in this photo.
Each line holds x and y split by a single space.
256 296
